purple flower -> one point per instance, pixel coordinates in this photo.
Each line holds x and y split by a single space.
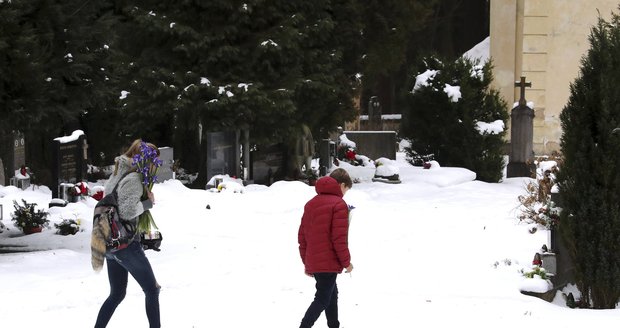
147 163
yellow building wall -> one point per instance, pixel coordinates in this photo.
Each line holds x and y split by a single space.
543 40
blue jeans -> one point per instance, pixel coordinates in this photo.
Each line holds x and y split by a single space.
130 260
325 299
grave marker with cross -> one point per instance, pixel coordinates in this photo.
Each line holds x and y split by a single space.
521 136
522 84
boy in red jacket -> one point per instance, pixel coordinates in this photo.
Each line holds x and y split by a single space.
323 244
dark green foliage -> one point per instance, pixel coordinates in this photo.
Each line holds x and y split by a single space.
268 67
26 216
589 181
53 66
397 32
53 70
286 63
67 227
392 39
437 125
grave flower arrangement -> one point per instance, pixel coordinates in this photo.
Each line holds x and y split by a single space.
80 189
147 162
347 150
535 271
28 219
67 227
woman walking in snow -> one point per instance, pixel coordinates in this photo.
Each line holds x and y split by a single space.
323 244
131 259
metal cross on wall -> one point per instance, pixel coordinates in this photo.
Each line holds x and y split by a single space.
522 84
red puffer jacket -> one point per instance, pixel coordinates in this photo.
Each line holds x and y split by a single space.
324 229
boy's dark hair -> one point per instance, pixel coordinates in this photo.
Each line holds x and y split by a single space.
342 176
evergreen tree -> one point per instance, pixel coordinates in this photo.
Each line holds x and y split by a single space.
194 67
224 65
389 46
53 70
398 32
451 126
588 179
331 46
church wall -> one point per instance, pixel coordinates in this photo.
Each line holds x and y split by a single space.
502 29
550 38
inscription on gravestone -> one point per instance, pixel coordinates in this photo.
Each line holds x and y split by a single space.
68 162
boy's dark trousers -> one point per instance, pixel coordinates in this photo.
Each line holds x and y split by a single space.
325 299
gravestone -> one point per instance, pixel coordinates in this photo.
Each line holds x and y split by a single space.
15 160
565 268
223 153
1 173
6 150
521 137
19 151
267 164
374 144
69 155
164 172
374 114
327 154
245 155
301 150
12 155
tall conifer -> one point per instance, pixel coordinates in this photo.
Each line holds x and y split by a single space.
53 70
588 179
193 67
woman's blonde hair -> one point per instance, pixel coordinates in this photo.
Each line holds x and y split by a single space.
134 149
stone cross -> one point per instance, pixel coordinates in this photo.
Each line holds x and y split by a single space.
522 84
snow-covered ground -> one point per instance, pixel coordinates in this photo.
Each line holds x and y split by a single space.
437 250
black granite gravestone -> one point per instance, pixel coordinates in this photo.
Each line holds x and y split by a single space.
69 161
267 164
223 154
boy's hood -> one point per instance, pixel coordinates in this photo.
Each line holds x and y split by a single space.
328 185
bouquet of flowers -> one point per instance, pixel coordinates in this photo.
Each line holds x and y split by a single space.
80 189
68 227
147 162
